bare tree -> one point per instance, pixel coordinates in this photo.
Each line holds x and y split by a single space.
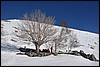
36 28
73 41
62 37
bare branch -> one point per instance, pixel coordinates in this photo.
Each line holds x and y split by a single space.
37 27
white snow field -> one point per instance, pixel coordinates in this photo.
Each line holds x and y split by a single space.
11 59
9 50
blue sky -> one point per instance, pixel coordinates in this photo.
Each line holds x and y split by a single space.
82 15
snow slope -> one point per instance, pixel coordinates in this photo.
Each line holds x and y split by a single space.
9 50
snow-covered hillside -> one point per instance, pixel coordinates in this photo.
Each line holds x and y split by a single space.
90 42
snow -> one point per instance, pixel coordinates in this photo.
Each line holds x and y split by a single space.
9 50
11 59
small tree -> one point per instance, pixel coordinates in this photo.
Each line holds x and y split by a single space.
36 28
73 42
63 36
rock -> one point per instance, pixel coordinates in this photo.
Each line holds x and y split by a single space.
55 54
26 49
44 53
76 53
61 52
81 51
88 55
92 57
45 50
30 54
83 54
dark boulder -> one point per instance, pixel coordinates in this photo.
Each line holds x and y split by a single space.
81 51
75 53
88 55
92 57
83 54
31 54
45 50
26 49
22 49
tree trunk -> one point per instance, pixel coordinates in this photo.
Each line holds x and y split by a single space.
51 49
37 49
55 49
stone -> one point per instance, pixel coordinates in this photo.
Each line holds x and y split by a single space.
92 57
